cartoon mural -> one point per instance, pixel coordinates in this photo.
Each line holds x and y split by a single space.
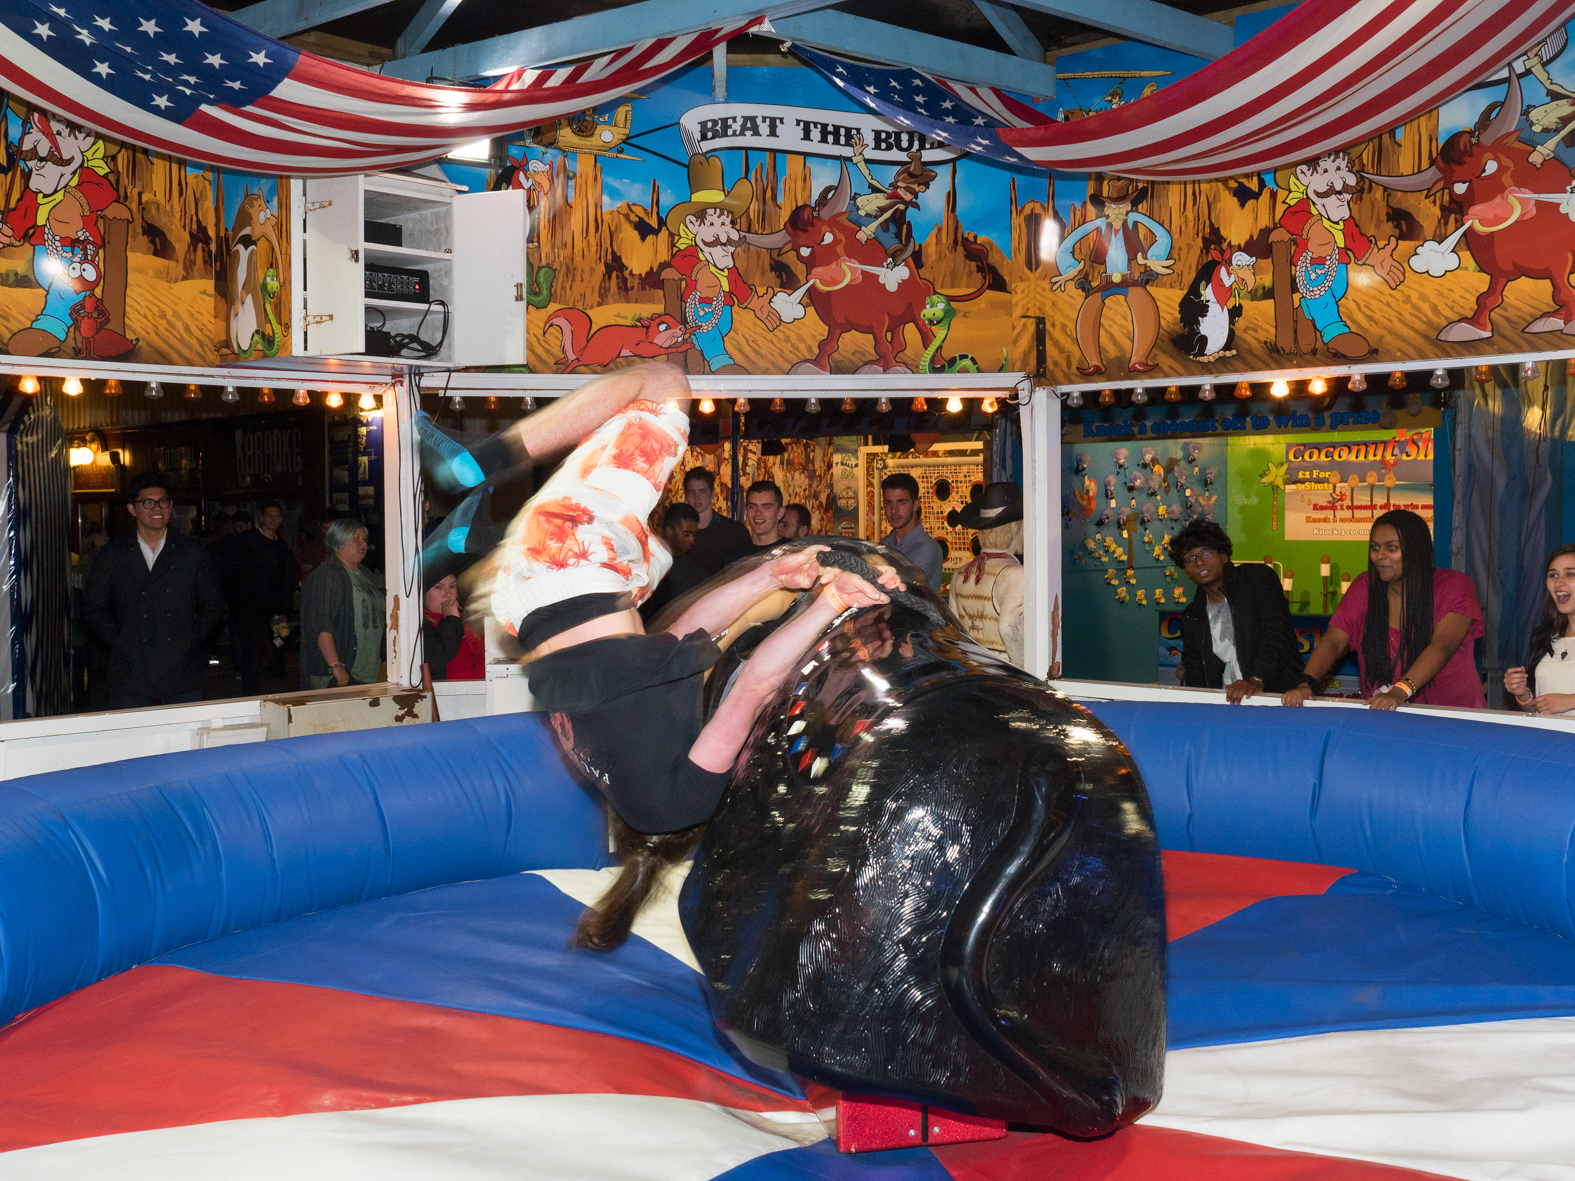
112 252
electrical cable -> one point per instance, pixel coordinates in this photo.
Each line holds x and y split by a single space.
384 343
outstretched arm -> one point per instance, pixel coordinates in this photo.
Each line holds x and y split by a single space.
763 673
798 570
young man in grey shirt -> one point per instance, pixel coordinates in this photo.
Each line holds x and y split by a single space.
900 498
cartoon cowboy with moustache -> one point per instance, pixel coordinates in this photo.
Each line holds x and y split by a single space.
68 189
1118 262
708 238
1328 241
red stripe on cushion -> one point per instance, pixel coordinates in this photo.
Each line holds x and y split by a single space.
1203 888
160 1047
1153 1154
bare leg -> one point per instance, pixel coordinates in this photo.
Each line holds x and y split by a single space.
566 421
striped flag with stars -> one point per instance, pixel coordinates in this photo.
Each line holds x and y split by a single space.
181 78
956 113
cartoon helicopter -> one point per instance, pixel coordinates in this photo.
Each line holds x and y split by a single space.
1116 97
586 133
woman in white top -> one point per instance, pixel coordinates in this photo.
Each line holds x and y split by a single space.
1550 689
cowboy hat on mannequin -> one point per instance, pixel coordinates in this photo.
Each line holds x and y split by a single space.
987 593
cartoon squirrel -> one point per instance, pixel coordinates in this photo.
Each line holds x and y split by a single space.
248 322
651 336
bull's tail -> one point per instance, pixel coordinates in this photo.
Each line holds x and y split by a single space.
975 253
574 329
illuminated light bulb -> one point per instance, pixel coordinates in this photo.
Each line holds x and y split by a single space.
883 406
1107 397
366 401
920 405
1075 399
1280 389
494 404
1482 374
230 395
1439 380
741 406
953 405
113 388
456 403
1317 387
849 406
1530 371
989 405
707 406
1172 393
1243 390
1569 367
813 406
1206 394
71 387
1049 238
265 397
193 392
28 384
333 399
528 403
1397 380
778 406
1358 383
301 398
153 391
1139 396
80 456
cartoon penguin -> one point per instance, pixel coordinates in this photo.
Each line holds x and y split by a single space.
1209 310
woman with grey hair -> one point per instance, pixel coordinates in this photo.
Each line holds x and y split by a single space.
341 614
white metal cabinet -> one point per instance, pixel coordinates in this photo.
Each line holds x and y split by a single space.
490 278
332 322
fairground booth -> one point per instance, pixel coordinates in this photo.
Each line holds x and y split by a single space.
956 911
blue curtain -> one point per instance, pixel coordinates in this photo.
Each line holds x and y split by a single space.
1510 437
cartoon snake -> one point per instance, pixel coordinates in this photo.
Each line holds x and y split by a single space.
538 293
939 313
260 342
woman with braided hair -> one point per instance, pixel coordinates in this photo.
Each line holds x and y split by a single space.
1413 625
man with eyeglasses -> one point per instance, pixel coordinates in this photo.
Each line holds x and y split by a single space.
152 598
1237 634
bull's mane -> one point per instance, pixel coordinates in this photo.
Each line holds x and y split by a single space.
1455 150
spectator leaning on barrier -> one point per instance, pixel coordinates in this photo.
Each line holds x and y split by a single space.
1237 635
153 599
453 649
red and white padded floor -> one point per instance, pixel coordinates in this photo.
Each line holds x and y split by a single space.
1323 1024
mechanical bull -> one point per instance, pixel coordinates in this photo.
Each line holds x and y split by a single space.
1488 171
849 284
933 879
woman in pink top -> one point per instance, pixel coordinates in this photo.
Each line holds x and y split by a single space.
1412 625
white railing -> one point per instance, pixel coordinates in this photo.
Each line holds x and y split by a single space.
1122 691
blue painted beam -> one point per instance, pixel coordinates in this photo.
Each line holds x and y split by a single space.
1145 21
1013 29
281 18
586 36
839 32
424 26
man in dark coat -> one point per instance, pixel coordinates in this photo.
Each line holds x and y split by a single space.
260 591
1236 634
152 599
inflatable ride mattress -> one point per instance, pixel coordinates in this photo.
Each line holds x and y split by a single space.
1322 1024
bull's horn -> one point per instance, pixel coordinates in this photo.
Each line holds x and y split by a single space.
840 196
1416 182
768 241
1508 117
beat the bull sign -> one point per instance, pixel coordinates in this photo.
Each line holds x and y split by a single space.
804 131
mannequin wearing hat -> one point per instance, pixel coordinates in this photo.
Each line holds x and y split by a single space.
708 238
987 593
1117 264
